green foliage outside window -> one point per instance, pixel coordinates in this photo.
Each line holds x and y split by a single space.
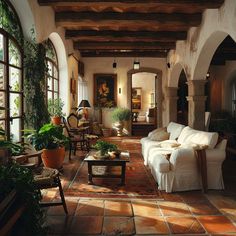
35 85
10 22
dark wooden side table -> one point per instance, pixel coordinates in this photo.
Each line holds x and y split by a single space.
202 166
93 161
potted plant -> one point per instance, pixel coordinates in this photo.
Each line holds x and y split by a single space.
119 115
104 147
55 110
52 142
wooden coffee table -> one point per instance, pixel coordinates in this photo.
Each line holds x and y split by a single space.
121 161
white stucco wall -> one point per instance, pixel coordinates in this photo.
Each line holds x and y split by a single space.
104 65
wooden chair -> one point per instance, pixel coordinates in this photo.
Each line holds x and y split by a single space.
73 120
77 137
44 177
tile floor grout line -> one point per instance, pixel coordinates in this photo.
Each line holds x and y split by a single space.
223 214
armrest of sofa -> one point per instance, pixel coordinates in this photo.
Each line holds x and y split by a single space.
182 156
215 155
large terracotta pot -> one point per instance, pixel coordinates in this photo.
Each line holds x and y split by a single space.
56 120
53 158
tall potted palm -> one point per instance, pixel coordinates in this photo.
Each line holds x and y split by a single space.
119 115
52 142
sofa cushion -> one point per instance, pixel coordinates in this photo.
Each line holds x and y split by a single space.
156 131
189 135
174 129
160 136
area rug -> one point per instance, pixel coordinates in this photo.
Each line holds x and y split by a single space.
139 182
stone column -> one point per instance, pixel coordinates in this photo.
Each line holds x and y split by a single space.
196 104
171 104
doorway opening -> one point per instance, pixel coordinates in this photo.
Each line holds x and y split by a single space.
182 103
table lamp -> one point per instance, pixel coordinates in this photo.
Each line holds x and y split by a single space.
84 104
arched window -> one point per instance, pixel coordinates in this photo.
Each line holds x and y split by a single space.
53 76
11 72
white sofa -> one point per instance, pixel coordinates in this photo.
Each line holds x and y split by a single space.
180 172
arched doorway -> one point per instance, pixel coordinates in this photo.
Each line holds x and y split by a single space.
182 103
158 95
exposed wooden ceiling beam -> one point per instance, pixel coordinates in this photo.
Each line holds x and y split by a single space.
119 21
192 19
109 53
111 35
124 45
204 3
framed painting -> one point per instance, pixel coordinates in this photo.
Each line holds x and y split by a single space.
105 90
136 98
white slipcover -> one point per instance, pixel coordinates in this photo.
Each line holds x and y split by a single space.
173 128
180 172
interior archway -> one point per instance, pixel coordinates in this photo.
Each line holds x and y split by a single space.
206 54
182 103
158 89
175 75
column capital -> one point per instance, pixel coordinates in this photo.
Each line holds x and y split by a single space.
196 87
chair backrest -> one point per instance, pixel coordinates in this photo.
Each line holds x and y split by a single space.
73 120
207 120
66 126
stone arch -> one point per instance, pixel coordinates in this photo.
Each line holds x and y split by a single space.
25 14
206 53
158 89
175 74
63 69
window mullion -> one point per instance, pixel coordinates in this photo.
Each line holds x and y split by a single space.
7 94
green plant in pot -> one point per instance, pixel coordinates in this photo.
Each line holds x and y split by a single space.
104 147
55 107
52 142
119 115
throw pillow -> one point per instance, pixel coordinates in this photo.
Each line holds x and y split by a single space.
156 131
160 136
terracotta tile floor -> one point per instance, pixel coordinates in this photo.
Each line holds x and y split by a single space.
185 213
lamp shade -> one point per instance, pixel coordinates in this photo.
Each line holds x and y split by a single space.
84 103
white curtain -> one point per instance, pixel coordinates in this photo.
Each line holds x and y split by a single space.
82 90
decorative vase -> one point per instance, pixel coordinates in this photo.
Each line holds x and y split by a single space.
119 127
56 120
53 158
